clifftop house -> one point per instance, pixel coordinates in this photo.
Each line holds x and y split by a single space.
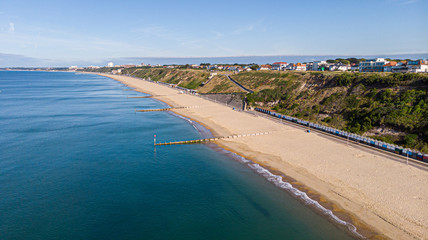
265 67
418 66
388 67
279 66
319 65
373 65
339 67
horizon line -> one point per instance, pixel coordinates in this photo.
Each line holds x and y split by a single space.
280 55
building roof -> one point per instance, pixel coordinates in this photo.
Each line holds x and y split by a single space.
279 63
390 64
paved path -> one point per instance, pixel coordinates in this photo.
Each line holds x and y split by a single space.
239 85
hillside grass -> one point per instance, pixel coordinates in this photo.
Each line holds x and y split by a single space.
355 102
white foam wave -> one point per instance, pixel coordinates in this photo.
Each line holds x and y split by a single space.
277 180
240 158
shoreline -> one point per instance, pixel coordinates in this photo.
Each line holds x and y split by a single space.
304 195
326 199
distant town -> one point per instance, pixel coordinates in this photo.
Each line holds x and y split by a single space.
338 65
344 65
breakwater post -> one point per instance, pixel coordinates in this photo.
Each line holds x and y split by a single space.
205 140
166 109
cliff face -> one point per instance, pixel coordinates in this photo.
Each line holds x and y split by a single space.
389 107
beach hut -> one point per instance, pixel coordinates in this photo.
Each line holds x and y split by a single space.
425 158
384 146
410 153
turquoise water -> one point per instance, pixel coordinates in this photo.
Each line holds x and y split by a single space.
76 162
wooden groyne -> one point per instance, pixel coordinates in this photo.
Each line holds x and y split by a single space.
165 109
155 110
187 142
142 97
206 140
152 96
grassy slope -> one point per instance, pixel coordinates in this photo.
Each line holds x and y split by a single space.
184 78
188 78
220 84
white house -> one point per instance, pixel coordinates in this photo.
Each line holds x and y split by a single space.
418 66
339 67
319 65
110 64
279 66
300 67
265 67
296 67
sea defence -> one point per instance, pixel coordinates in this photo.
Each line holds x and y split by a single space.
206 140
388 196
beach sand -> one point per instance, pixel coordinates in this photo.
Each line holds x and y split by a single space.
377 194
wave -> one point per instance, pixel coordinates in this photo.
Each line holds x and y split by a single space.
278 181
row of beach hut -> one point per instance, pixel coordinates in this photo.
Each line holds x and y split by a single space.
352 137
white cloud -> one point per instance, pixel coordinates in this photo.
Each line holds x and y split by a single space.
11 27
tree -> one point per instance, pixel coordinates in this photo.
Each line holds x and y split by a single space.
255 67
411 140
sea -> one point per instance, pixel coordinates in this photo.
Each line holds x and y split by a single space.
78 162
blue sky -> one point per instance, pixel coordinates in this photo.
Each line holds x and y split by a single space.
81 32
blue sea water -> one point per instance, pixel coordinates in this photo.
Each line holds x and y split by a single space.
77 162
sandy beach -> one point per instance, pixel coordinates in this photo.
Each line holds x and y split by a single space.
373 191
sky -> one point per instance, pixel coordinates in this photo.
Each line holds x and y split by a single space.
44 32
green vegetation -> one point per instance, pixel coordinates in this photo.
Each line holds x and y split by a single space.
347 60
385 80
357 102
265 79
191 79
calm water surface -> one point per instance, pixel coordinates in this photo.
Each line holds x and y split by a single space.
76 162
